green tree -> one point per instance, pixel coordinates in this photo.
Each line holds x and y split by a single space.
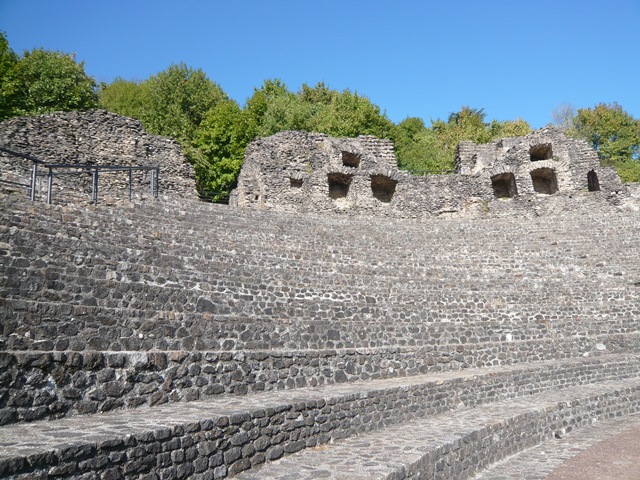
467 124
183 103
419 148
44 81
614 135
423 152
8 59
258 104
178 100
285 112
413 144
514 128
127 98
319 96
349 114
612 132
220 143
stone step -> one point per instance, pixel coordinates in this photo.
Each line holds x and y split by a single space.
570 274
521 243
91 261
226 297
457 444
197 222
436 272
588 270
51 384
48 325
344 246
122 280
334 231
229 433
538 462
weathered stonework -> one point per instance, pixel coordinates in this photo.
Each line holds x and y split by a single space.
94 137
309 172
191 340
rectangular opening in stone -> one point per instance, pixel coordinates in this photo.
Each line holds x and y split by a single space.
592 181
541 152
544 181
504 185
350 160
383 187
338 185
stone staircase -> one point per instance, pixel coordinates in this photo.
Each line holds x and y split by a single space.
188 340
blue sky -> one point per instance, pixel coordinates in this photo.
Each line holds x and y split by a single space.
514 59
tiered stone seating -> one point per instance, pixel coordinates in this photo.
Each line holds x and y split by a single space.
180 339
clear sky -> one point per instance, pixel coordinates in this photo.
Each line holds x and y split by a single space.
513 58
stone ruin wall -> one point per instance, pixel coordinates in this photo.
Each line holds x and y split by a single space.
312 172
94 137
543 172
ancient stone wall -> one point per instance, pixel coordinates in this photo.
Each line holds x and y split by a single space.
95 137
105 309
308 172
227 442
517 329
114 320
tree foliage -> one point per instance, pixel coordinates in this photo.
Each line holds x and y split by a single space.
179 99
183 103
612 132
42 81
432 149
274 108
350 114
220 143
126 97
614 135
8 59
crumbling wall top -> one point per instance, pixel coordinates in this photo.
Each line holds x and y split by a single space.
95 137
300 171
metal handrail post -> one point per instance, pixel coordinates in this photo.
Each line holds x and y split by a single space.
157 182
95 187
34 176
49 185
130 184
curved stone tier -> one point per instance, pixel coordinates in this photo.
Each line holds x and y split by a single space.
183 339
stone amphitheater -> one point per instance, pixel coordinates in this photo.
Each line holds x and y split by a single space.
179 339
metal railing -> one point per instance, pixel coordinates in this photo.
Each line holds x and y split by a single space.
55 169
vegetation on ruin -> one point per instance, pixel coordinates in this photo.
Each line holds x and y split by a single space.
432 149
214 130
42 81
614 134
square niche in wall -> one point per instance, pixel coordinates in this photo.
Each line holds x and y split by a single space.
383 187
350 160
544 180
504 185
540 152
339 184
